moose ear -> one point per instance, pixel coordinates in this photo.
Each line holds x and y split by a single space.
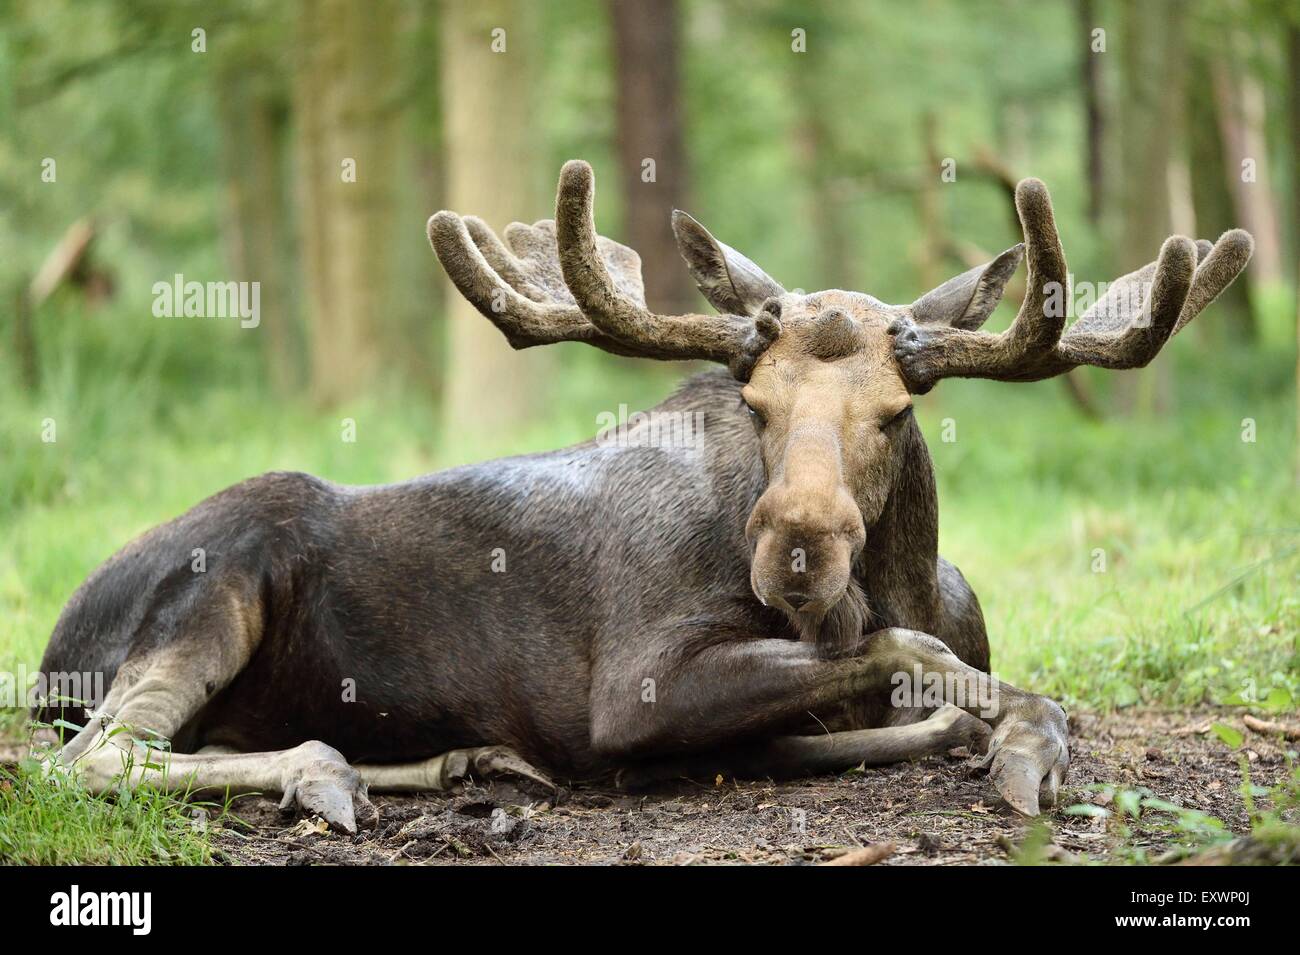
969 299
726 278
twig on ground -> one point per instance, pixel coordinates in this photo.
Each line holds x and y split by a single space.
869 855
1270 728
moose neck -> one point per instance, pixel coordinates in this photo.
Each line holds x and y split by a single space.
898 568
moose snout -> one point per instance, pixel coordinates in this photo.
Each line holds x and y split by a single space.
796 600
804 546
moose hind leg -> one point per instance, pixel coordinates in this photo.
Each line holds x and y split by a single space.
159 689
191 651
788 757
447 770
947 727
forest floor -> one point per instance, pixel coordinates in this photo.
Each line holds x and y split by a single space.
1142 784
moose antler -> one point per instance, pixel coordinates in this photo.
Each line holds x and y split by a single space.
1125 328
559 281
520 298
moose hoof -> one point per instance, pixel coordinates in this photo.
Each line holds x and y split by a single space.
484 762
1028 755
319 780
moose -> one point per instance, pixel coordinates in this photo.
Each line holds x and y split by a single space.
742 606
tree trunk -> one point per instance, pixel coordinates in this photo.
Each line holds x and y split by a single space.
252 114
1152 69
344 92
1239 101
651 150
1094 121
1215 208
493 160
29 366
832 263
930 260
1293 76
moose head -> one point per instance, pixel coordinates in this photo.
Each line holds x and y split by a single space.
828 376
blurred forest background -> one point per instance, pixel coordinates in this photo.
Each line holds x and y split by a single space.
141 140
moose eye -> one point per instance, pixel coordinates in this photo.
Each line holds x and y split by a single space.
755 415
899 418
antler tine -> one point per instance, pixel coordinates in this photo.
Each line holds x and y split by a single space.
1036 328
928 353
1135 343
501 259
1125 328
1111 335
734 340
525 321
1218 266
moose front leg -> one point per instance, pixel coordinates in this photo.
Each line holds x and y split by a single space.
1029 752
732 691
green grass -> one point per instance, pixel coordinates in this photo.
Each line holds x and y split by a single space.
1107 588
44 823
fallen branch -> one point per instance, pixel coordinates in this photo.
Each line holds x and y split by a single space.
869 855
1269 728
62 261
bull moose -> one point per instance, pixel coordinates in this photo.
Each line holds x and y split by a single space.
746 607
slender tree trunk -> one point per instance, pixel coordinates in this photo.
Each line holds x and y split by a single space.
833 264
930 261
651 147
314 168
1152 63
1293 76
1094 120
255 228
1215 208
1240 104
344 97
29 366
493 160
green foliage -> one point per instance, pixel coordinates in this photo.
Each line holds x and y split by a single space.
1138 560
1135 816
49 822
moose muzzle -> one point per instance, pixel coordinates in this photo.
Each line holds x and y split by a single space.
805 531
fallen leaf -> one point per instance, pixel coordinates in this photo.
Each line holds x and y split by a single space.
315 826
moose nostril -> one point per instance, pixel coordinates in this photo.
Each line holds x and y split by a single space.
797 600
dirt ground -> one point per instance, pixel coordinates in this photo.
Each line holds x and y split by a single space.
935 812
